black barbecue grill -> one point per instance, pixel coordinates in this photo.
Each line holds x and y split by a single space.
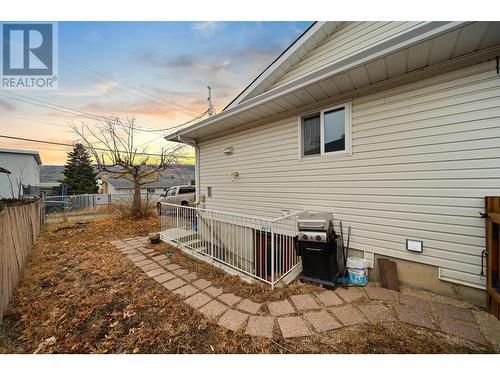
320 247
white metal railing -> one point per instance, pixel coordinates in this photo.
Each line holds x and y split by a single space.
260 247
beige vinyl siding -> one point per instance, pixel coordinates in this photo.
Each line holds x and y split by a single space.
350 39
424 156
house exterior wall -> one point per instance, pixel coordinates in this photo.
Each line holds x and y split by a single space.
350 39
23 167
424 155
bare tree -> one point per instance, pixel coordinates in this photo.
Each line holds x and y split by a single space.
111 143
16 187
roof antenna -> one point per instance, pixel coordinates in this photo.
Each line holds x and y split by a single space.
211 109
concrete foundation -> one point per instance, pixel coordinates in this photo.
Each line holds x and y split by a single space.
425 277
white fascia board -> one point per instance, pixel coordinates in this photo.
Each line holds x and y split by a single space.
413 36
289 52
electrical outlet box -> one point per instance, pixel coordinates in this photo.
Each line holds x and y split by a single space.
414 245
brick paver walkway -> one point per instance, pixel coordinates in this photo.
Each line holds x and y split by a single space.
300 315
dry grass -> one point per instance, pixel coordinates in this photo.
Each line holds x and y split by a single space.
78 288
123 210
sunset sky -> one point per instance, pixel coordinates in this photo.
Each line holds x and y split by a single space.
155 71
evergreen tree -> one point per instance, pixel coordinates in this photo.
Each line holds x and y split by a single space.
79 175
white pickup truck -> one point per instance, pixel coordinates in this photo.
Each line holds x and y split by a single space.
184 195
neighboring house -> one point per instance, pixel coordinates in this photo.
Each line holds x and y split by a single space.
392 126
24 168
124 186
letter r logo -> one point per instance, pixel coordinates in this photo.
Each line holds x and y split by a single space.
27 49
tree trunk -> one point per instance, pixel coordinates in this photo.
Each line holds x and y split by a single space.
136 201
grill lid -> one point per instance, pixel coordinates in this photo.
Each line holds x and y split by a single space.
314 221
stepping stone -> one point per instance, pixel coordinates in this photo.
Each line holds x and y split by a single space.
160 257
164 262
349 294
412 316
261 326
280 308
213 309
144 262
415 302
377 313
229 299
180 271
186 291
453 311
155 272
249 306
172 266
213 291
381 294
329 298
322 321
136 258
190 276
461 329
293 326
348 315
233 319
174 284
164 277
198 300
150 267
304 302
202 284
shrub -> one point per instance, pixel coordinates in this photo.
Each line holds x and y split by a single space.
123 210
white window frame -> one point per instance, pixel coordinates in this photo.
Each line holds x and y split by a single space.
348 131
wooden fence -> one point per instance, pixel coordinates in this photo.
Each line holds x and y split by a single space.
19 228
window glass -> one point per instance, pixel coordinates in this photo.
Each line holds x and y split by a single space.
311 134
186 190
334 130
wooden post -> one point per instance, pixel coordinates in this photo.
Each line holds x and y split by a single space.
492 207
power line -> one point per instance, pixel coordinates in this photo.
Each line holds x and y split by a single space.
70 145
185 109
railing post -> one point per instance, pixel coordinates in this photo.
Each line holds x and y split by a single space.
272 256
177 217
212 234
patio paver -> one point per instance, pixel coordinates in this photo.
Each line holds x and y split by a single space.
381 294
329 298
186 291
304 302
377 313
212 290
412 316
229 299
249 306
197 300
456 312
278 308
202 284
334 309
164 277
461 329
261 326
322 321
349 294
156 272
348 315
415 302
174 284
293 326
233 319
213 309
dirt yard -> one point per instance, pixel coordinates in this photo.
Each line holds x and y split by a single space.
78 294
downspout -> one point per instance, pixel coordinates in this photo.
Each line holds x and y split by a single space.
194 143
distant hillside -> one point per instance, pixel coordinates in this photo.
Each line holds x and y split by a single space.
50 173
